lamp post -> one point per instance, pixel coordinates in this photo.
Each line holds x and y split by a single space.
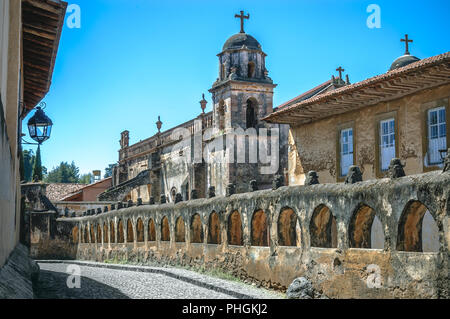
39 128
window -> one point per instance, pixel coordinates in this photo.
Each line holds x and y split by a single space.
437 134
251 70
346 150
222 115
251 114
387 142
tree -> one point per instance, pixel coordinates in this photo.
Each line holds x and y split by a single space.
37 168
109 170
64 173
86 178
28 163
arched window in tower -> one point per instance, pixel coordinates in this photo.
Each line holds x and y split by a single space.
222 115
251 70
251 113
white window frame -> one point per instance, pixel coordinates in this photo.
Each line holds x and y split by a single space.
387 143
437 135
346 150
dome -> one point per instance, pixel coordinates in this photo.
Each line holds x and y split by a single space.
403 61
238 40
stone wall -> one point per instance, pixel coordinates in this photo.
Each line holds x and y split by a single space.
322 232
10 48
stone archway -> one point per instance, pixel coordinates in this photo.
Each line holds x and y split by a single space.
196 229
130 234
112 233
288 228
322 228
140 231
235 232
151 230
214 229
417 229
165 230
180 230
365 229
260 229
120 232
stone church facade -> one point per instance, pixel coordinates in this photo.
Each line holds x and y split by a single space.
172 162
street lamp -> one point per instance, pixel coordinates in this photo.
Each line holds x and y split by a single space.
40 125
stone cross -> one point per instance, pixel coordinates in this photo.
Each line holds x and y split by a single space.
340 70
242 17
406 40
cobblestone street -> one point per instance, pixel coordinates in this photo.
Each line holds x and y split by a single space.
99 283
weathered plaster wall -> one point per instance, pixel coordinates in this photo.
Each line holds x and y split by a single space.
313 146
10 50
51 240
340 272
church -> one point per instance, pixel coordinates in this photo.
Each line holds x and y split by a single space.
160 167
402 114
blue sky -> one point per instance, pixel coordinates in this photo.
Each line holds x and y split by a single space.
133 60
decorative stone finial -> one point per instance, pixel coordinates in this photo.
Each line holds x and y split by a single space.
119 205
113 206
347 79
130 203
178 198
447 162
105 209
99 210
231 189
277 182
253 185
312 178
152 200
163 199
203 103
194 194
395 169
211 192
159 124
354 175
73 214
139 201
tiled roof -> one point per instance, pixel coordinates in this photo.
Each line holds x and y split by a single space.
346 93
57 191
314 91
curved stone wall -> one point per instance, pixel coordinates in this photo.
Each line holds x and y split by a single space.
401 269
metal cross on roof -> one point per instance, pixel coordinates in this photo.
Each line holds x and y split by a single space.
406 40
340 69
242 17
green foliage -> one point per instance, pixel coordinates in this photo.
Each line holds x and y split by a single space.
109 170
37 167
28 158
64 173
86 178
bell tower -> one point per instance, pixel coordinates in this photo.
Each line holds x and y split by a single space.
243 91
242 95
